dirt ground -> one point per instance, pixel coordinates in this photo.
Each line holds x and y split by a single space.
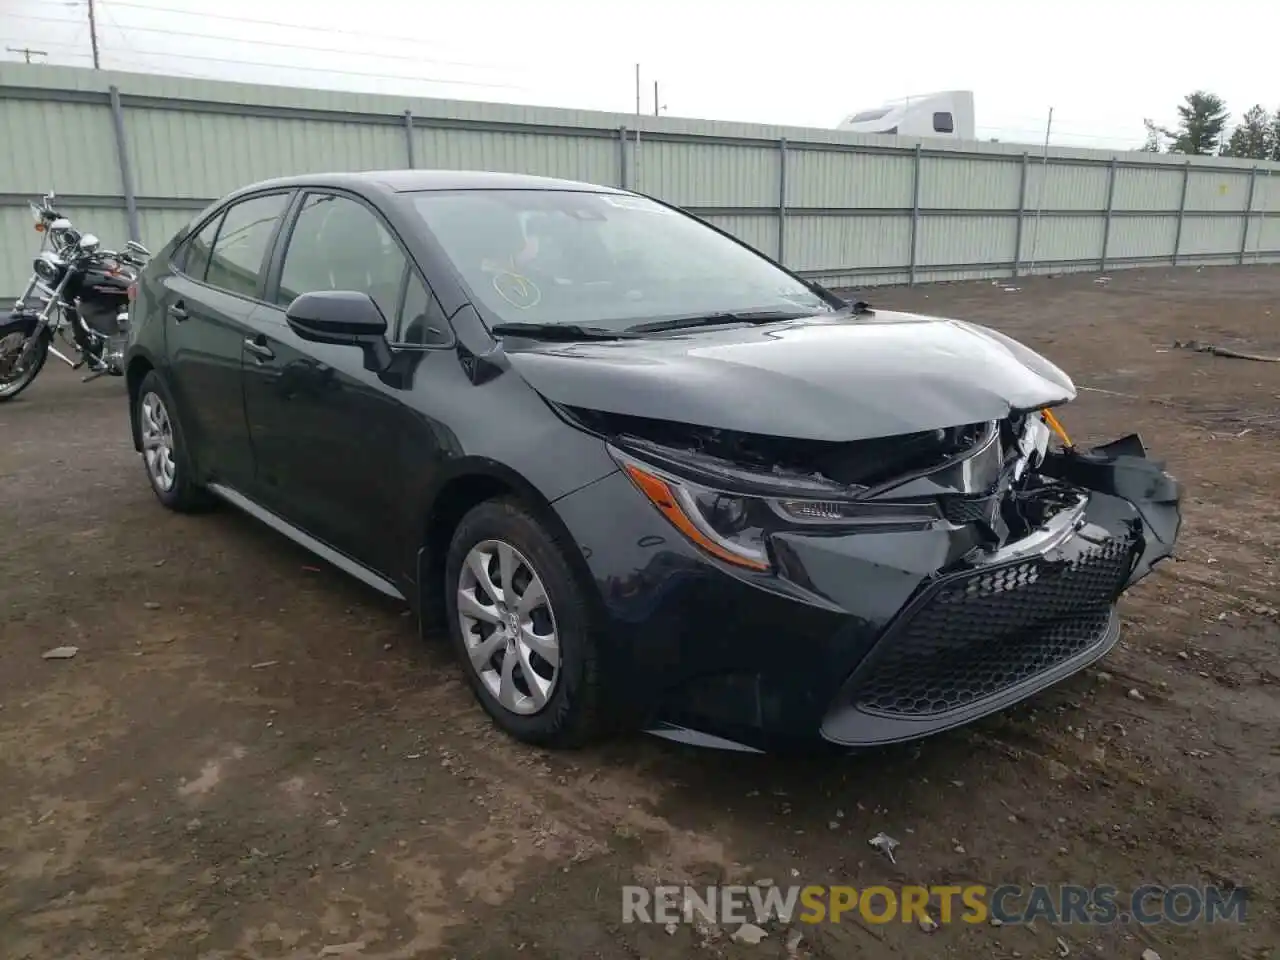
253 756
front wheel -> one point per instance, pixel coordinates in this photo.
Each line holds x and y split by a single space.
16 372
523 627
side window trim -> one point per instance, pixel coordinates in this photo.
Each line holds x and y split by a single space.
401 344
401 299
268 255
221 216
280 245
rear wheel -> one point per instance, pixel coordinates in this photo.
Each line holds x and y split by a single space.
164 451
16 374
522 626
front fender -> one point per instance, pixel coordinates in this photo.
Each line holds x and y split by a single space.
25 317
1122 469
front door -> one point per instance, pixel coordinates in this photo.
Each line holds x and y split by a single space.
326 432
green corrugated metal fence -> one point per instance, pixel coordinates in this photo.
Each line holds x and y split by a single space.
134 153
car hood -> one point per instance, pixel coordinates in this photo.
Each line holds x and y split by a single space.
838 379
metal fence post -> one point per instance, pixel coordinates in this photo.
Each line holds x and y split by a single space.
622 157
1248 213
1106 223
782 200
122 158
1022 208
1182 211
408 136
915 218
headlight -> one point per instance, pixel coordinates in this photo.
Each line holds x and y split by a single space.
735 527
46 266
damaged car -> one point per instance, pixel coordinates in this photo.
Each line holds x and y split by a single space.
644 476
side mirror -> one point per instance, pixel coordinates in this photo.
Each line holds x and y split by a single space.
343 318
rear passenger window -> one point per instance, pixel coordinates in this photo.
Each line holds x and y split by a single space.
196 256
943 122
339 244
241 247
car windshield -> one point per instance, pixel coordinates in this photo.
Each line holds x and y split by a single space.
602 260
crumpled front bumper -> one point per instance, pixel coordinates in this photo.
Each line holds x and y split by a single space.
977 639
864 637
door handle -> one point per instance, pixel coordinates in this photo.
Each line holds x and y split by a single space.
258 347
178 311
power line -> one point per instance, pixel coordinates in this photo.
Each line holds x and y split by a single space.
271 43
27 52
326 70
60 53
259 21
124 42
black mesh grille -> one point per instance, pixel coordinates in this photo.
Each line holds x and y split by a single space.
979 635
969 509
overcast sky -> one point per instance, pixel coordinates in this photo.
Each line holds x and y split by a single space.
1103 66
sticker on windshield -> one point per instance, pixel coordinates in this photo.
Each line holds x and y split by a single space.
521 292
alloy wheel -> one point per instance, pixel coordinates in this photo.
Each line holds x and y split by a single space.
157 442
508 627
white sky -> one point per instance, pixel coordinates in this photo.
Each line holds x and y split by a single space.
1103 66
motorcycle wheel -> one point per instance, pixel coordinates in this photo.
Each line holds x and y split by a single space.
13 380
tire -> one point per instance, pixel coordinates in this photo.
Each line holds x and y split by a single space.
165 455
567 713
11 388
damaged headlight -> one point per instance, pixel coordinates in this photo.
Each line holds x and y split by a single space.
735 527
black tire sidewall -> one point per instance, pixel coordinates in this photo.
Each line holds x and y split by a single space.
571 716
42 354
184 494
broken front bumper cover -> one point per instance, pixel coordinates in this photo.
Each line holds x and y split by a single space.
978 636
976 640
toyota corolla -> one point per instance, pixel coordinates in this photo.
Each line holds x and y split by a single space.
645 476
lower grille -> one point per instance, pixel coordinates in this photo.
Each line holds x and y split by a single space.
978 634
961 509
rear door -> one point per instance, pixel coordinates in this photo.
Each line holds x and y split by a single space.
215 288
326 432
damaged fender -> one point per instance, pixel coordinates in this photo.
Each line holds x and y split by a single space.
1122 469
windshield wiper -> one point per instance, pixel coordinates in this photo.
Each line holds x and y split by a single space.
716 319
559 331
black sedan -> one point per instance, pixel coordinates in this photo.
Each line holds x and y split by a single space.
646 476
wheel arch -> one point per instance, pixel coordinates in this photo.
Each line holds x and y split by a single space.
468 483
135 371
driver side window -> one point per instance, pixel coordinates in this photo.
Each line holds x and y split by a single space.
339 244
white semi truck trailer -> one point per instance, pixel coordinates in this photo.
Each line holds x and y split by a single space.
948 114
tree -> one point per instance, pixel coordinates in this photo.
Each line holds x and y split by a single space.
1275 136
1254 137
1202 119
1154 136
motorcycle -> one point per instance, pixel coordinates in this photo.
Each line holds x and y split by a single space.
78 292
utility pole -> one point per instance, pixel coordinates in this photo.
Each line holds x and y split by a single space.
93 36
1044 182
635 166
656 108
27 52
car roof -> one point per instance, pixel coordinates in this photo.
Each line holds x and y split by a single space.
408 181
